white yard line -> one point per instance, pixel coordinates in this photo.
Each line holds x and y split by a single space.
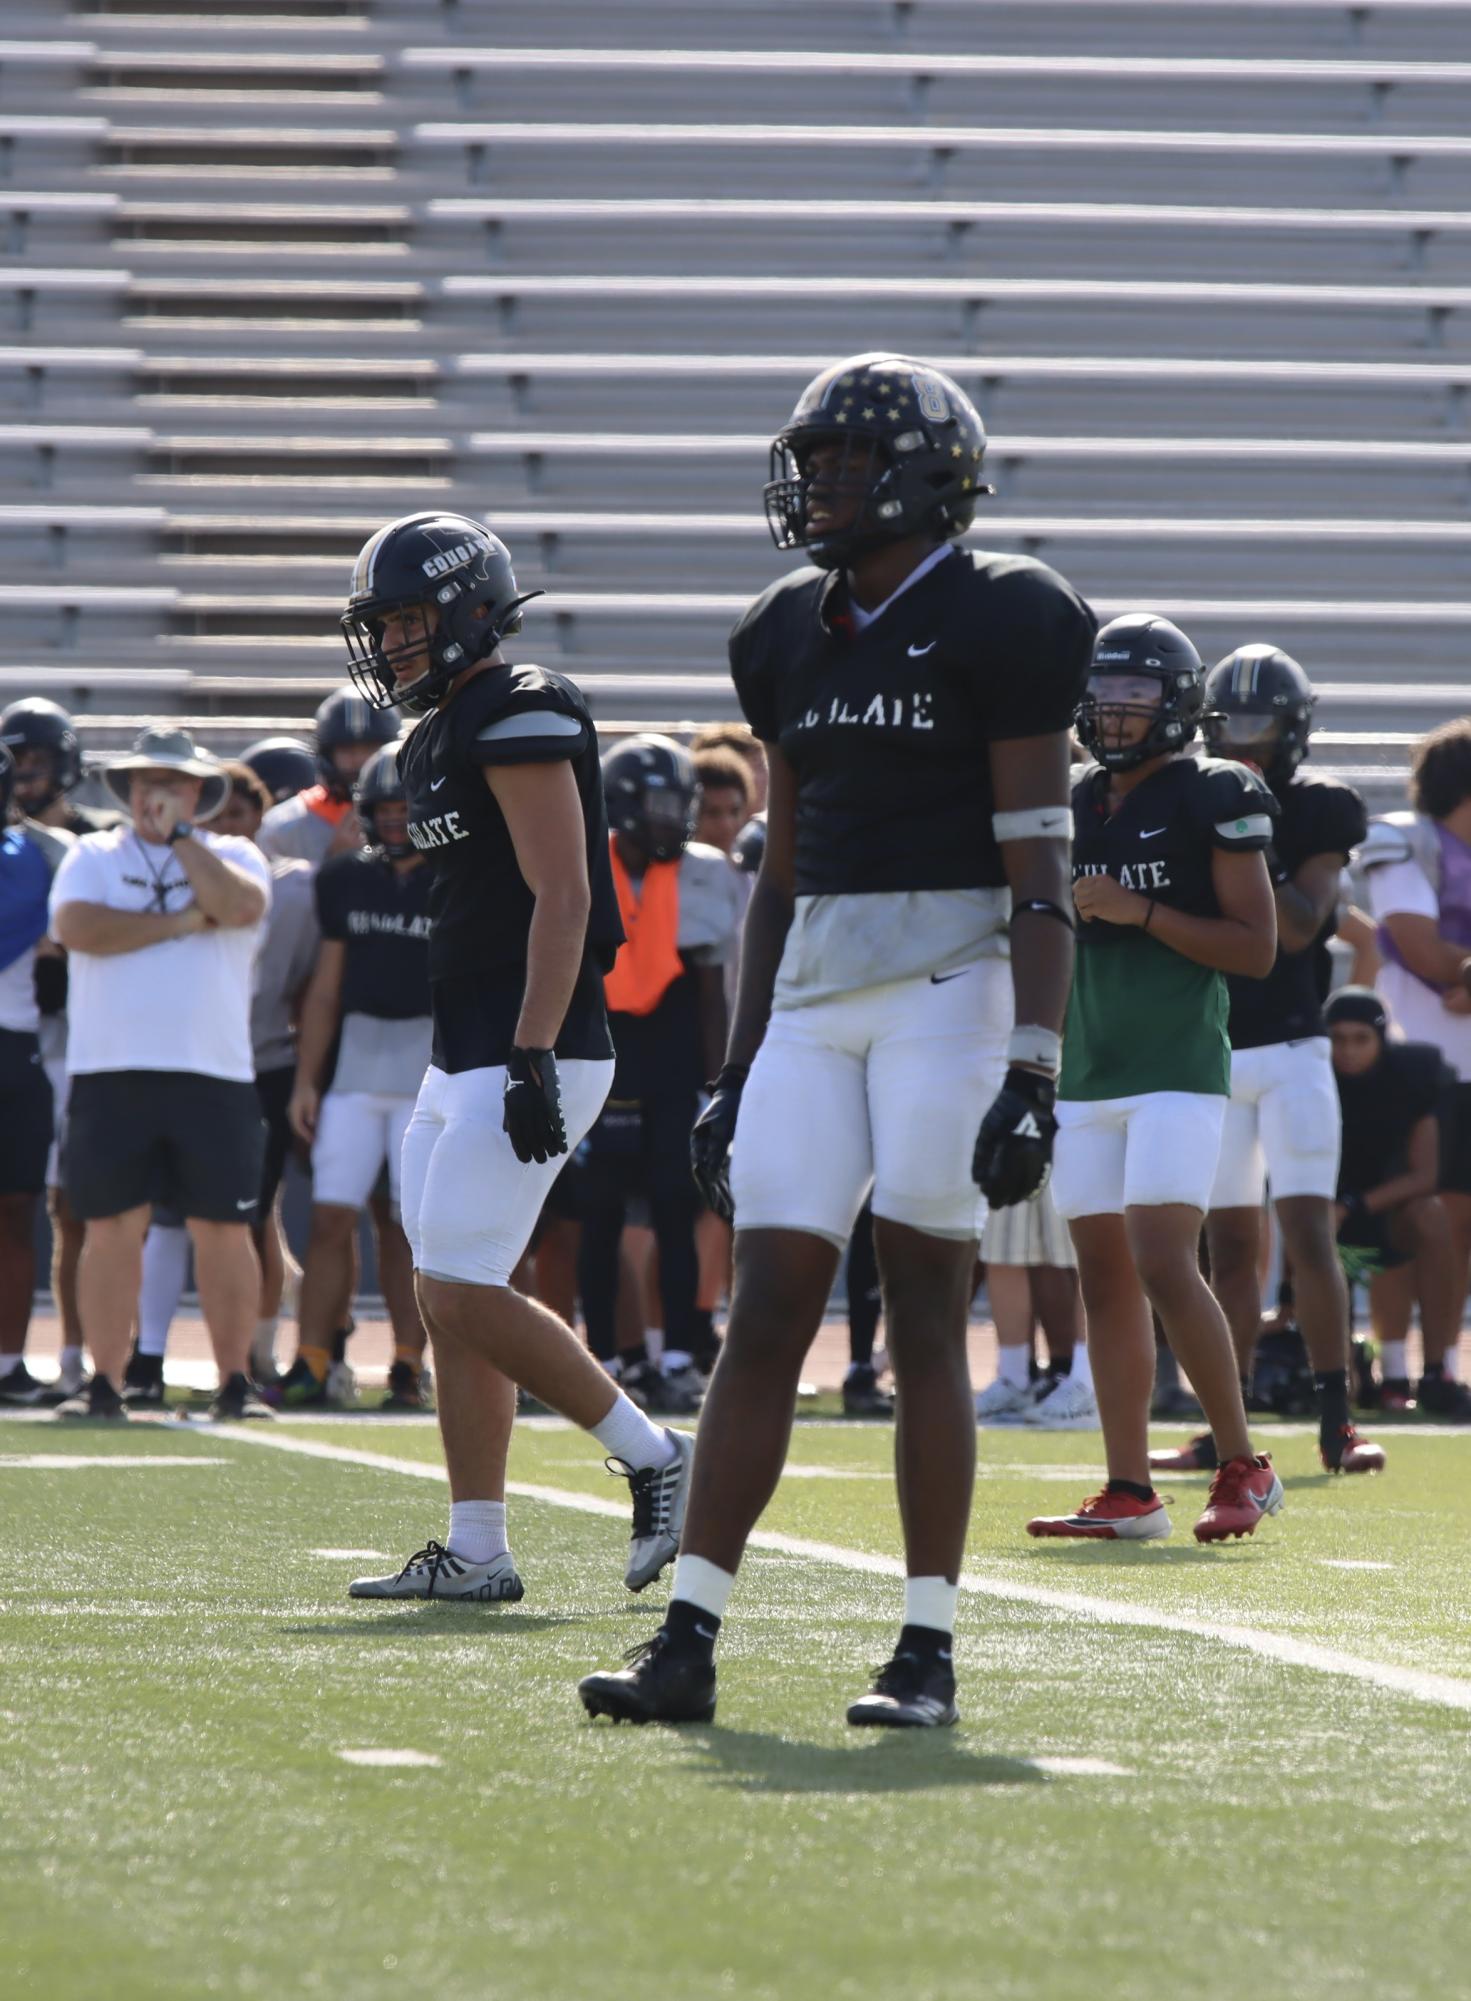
66 1462
1443 1690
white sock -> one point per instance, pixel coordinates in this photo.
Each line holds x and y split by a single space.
1448 1364
1014 1366
702 1584
165 1267
9 1362
1394 1360
1082 1369
930 1601
477 1530
626 1434
71 1356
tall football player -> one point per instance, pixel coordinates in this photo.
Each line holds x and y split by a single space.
914 700
1283 1123
1172 893
505 796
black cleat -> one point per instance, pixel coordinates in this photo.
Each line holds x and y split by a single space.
20 1388
238 1401
407 1390
661 1684
862 1396
1442 1396
676 1393
143 1381
96 1399
910 1692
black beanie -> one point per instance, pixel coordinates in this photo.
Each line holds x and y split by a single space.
1357 1004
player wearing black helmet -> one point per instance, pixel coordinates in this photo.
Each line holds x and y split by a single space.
1171 893
1282 1123
318 821
506 799
284 766
914 699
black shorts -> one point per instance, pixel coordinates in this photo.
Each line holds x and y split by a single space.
1455 1140
194 1144
273 1089
25 1114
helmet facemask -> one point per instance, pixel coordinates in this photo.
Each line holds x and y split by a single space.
864 473
1274 742
1112 697
443 628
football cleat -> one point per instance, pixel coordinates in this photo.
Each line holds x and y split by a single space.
143 1381
1004 1403
1196 1455
20 1388
71 1379
1067 1406
408 1389
1395 1397
1351 1452
862 1396
1112 1516
661 1684
660 1494
97 1400
436 1572
1242 1492
675 1393
1443 1397
238 1401
910 1692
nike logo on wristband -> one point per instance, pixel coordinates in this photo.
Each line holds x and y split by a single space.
939 979
248 1203
918 652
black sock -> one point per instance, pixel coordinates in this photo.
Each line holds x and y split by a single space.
632 1358
339 1344
1431 1371
1332 1387
691 1629
926 1641
1130 1487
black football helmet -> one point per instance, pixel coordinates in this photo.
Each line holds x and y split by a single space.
284 766
1259 707
35 724
749 848
912 441
650 786
344 718
7 783
1142 644
444 563
378 785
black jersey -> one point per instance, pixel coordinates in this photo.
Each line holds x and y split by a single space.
1318 816
1141 1017
887 729
480 905
1381 1109
381 914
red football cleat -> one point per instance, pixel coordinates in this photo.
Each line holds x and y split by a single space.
1357 1454
1108 1517
1196 1455
1395 1397
1242 1492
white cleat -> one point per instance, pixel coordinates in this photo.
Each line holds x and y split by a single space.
660 1494
341 1386
1004 1403
436 1572
1068 1406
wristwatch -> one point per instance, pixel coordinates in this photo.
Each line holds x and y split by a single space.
180 831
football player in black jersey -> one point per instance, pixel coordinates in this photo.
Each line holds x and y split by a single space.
1282 1124
505 797
914 699
1172 893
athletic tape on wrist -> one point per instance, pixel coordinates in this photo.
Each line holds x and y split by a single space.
1028 1044
1034 823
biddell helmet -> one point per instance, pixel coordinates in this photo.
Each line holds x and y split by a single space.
1258 696
910 435
1140 643
34 723
284 766
378 785
650 786
344 719
446 562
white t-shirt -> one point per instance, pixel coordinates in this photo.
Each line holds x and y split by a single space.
1404 889
183 1004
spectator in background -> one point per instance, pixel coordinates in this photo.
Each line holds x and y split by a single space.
738 738
49 768
163 921
29 858
723 800
681 906
1418 866
319 822
1032 1276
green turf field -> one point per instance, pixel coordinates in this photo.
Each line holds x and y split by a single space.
1262 1786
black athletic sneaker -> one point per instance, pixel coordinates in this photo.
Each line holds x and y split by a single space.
406 1389
143 1380
910 1692
300 1388
238 1400
661 1394
97 1400
19 1387
661 1684
862 1396
1442 1396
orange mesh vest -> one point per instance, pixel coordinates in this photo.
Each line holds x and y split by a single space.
648 961
320 801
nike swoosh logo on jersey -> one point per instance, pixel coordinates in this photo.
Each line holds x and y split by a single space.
435 783
1152 833
917 652
248 1203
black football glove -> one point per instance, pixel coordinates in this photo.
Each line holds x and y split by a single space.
710 1141
533 1105
1013 1156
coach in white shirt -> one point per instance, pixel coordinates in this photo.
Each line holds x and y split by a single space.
162 921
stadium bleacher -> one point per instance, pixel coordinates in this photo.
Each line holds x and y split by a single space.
271 274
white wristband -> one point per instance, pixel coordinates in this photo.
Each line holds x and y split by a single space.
1034 823
1027 1044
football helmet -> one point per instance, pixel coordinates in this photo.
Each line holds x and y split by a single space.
650 786
378 785
35 724
344 719
750 846
284 766
1143 645
436 573
7 784
912 443
1259 707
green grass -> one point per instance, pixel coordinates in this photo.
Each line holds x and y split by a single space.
178 1673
